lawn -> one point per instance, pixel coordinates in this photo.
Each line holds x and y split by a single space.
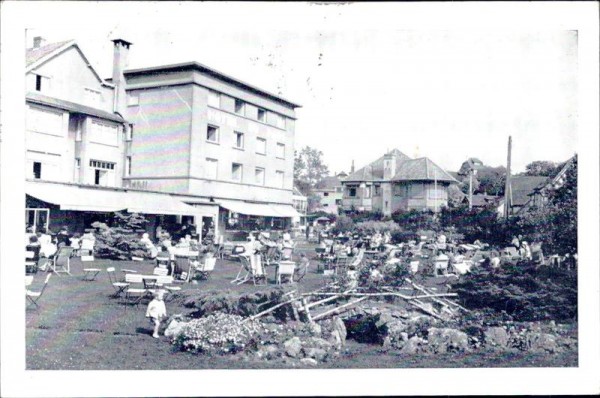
79 326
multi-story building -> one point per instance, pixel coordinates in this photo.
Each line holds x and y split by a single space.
396 182
78 147
301 205
201 133
330 193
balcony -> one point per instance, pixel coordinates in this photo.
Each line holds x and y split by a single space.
359 204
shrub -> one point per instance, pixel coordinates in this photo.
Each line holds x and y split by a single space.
360 216
343 224
121 240
377 226
413 220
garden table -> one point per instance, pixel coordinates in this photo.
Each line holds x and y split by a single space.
90 273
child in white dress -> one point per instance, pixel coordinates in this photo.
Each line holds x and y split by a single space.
156 311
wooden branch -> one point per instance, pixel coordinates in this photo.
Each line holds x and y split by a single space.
253 317
337 309
337 295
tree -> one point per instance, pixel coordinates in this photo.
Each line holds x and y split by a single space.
543 168
491 180
120 241
309 167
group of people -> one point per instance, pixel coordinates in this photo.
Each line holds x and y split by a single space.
45 245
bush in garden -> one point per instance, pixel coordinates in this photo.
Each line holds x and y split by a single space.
521 292
216 333
360 216
343 224
120 240
413 220
370 227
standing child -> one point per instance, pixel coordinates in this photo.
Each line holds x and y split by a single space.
156 311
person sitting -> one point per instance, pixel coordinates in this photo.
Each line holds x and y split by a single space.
28 233
63 237
151 249
75 241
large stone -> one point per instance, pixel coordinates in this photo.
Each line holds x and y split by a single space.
174 328
268 352
542 342
447 340
496 337
308 362
317 342
338 325
315 329
317 354
385 318
292 347
414 345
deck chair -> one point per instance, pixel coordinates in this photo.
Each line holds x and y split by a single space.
286 253
285 270
342 264
118 286
206 267
163 260
244 273
135 290
61 262
182 268
33 297
441 266
302 271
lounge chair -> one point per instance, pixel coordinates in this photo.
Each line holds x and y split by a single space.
206 267
61 262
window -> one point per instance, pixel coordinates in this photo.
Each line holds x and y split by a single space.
100 177
279 178
38 83
352 192
259 173
377 190
368 192
261 146
104 133
133 99
78 162
129 133
45 121
262 115
42 83
236 172
37 170
280 150
338 202
211 168
239 140
214 99
128 166
98 164
212 134
325 204
239 106
325 193
278 120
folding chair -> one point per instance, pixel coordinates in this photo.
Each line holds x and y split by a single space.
342 264
33 297
61 262
245 269
118 286
138 293
86 251
206 267
285 269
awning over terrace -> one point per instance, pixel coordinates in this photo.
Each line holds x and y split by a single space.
82 198
258 209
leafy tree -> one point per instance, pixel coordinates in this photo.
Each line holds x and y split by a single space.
541 168
309 167
491 180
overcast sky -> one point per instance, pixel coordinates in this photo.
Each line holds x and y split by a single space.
367 82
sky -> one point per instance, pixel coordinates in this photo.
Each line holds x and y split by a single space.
367 79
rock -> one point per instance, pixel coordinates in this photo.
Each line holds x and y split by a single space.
317 342
542 342
414 345
340 327
315 329
317 354
268 352
385 318
174 328
292 347
401 314
496 337
447 340
404 336
308 362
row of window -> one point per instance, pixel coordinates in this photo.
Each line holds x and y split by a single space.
213 135
237 173
241 108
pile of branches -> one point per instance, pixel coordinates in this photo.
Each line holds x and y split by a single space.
521 292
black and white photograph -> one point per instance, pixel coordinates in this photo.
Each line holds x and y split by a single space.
306 198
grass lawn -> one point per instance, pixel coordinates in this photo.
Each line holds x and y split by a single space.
79 326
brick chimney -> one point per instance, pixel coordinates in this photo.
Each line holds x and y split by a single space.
38 42
120 63
389 165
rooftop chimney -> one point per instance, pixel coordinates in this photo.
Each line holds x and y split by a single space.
352 167
389 165
38 42
120 63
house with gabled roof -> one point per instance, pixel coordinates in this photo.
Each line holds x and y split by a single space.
396 182
330 193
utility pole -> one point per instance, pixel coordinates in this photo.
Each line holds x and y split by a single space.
507 187
470 189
